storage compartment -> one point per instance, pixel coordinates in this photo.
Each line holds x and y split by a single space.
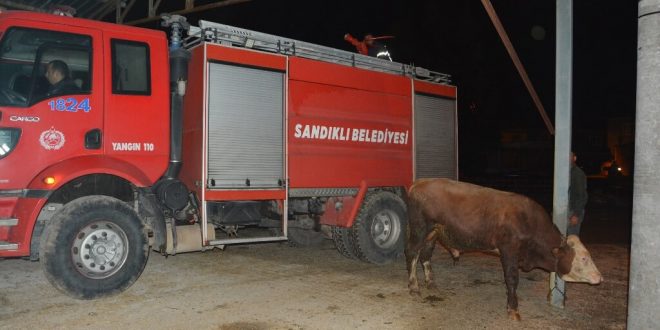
435 137
245 127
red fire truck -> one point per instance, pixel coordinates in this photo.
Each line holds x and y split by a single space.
226 136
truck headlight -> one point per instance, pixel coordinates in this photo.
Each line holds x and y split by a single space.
8 140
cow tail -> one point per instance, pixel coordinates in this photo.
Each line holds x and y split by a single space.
416 224
406 200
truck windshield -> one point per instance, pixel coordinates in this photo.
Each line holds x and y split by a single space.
38 64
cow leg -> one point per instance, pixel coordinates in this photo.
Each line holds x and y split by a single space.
510 267
454 255
412 252
411 264
425 258
416 237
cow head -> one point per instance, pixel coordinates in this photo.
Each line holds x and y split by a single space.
574 262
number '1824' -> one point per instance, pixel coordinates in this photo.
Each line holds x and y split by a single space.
70 104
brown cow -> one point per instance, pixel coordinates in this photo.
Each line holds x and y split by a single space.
462 216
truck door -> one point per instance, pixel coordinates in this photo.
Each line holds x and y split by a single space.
137 101
50 96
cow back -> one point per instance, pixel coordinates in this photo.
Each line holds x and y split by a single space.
468 216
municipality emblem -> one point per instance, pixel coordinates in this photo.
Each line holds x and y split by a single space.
52 139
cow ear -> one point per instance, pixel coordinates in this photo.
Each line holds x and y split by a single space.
555 252
571 240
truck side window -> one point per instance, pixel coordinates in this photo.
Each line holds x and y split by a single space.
38 64
131 72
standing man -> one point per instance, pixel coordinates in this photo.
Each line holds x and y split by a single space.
577 197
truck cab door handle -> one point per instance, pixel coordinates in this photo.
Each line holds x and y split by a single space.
93 139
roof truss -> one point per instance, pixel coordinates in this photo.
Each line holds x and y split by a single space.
118 11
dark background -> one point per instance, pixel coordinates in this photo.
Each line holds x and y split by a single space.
500 129
503 142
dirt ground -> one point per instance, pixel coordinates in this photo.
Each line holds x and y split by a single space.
274 286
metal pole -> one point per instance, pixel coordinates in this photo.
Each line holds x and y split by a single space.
644 289
563 98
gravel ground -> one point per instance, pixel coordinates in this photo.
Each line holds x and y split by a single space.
274 286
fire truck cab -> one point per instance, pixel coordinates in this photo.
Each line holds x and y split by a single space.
113 144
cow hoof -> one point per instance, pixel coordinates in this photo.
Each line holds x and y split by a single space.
513 315
431 286
415 292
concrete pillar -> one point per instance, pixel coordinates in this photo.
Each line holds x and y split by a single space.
563 111
644 289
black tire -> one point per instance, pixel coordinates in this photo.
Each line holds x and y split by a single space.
96 246
343 243
378 234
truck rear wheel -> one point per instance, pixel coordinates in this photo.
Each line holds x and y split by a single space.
343 243
378 233
94 247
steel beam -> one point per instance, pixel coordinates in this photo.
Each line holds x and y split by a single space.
21 6
188 11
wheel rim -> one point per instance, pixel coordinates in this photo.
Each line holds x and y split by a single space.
99 249
385 229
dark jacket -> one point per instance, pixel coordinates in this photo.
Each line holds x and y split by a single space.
577 191
64 86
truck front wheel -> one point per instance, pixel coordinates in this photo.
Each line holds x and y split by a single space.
96 246
378 234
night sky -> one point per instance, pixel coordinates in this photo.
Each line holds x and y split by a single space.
458 38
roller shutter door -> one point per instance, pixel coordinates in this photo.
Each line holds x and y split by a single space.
435 137
245 127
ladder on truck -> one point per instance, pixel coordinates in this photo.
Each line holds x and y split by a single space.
238 37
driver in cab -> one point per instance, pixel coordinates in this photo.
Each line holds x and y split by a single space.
57 74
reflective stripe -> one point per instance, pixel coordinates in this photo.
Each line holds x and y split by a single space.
25 193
